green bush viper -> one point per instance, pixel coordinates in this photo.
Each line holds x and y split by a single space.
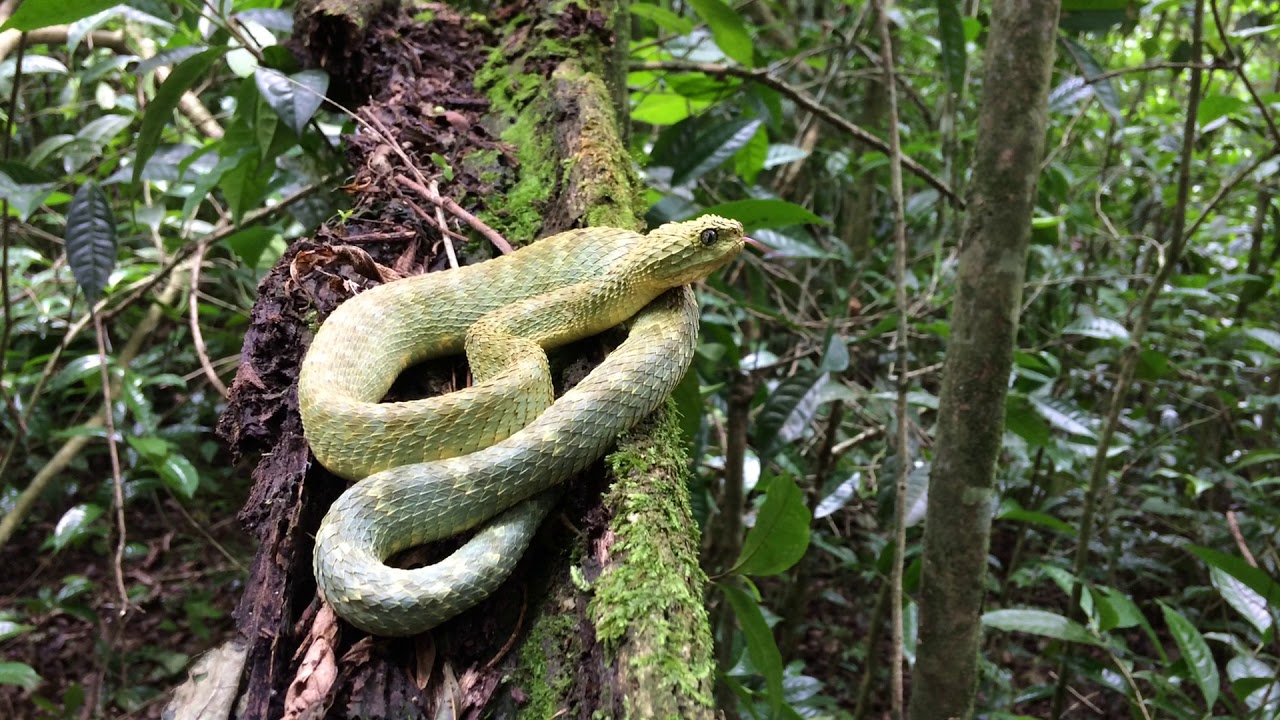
430 469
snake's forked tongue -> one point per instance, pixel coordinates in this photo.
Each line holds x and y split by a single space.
755 244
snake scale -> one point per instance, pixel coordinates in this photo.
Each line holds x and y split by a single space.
491 455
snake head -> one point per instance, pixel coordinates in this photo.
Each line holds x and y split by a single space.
683 252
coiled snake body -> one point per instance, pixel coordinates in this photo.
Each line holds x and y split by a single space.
430 469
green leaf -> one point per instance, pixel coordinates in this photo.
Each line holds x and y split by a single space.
20 674
11 629
249 243
783 154
1213 107
1248 603
1039 622
692 148
757 214
781 533
663 18
1195 652
1104 90
1062 415
1022 419
1270 338
1010 510
749 161
36 14
160 110
74 524
1122 612
91 240
951 35
839 497
179 475
791 405
727 28
761 647
1097 327
1253 578
24 198
295 98
664 108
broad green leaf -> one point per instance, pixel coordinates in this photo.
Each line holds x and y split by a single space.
1104 90
1039 622
153 449
663 18
91 240
11 629
839 497
1256 457
1122 612
179 475
1068 94
1097 327
761 647
35 14
781 533
757 214
1009 510
1248 603
249 243
1213 107
1235 566
1195 653
168 57
693 147
951 36
664 108
1022 419
749 161
24 198
295 98
795 396
160 111
728 29
32 65
783 154
74 523
20 674
1062 415
1270 338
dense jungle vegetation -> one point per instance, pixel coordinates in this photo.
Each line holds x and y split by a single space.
1119 497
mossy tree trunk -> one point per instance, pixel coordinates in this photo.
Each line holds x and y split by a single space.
984 325
517 117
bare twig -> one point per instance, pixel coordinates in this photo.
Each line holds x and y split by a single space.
448 204
197 337
117 481
900 355
808 102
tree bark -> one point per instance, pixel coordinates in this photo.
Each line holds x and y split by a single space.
984 324
604 616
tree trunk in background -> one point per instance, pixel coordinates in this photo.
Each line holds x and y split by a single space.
517 119
984 325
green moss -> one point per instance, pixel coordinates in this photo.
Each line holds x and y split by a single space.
653 596
545 685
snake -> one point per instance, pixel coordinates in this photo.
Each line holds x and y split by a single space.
489 457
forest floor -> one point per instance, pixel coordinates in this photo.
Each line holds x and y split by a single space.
184 576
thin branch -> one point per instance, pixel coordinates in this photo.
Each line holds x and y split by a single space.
448 204
193 307
808 102
900 355
117 481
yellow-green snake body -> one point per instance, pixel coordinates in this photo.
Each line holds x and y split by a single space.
430 469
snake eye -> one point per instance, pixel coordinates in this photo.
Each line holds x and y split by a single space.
709 236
